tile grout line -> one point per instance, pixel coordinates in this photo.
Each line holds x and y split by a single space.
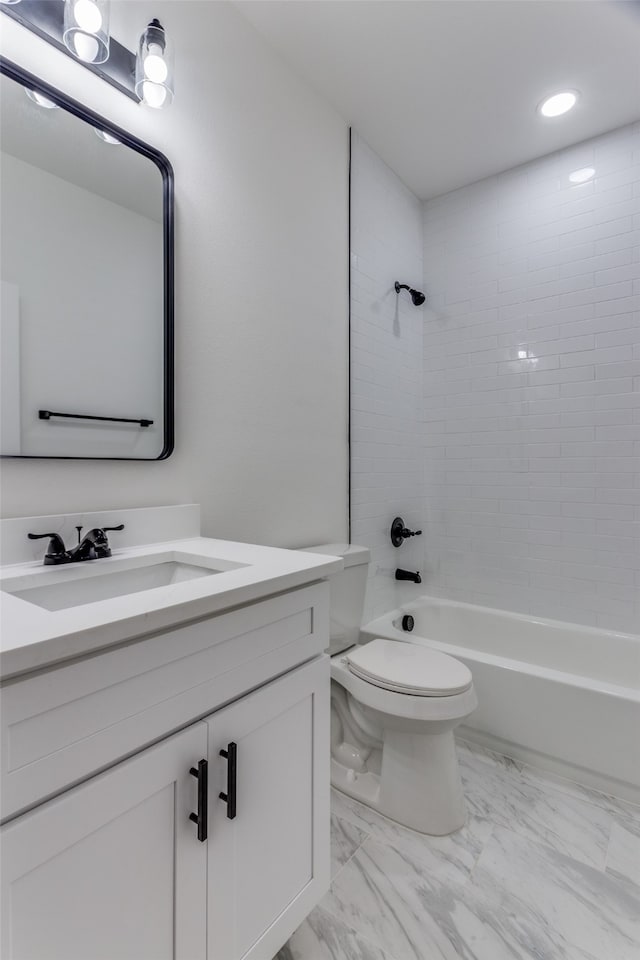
350 858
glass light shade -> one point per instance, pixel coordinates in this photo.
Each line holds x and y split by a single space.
107 137
86 29
40 99
154 67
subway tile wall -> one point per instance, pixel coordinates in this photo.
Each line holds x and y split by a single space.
386 373
531 382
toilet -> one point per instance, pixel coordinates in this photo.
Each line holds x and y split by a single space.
394 707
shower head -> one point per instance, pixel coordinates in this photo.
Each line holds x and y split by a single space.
417 297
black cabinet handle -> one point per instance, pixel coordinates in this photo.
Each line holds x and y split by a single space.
202 773
231 756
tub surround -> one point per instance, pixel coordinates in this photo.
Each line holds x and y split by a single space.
531 365
560 696
33 638
502 416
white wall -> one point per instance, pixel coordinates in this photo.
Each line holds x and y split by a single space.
82 353
532 387
386 373
261 297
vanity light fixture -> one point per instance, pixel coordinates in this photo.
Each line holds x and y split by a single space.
40 99
86 29
154 67
80 28
558 104
581 176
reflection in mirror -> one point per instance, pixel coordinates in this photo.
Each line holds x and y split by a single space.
84 324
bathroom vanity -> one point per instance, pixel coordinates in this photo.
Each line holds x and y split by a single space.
164 751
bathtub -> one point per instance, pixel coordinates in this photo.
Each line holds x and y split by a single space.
556 695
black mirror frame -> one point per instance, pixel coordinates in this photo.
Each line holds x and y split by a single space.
28 80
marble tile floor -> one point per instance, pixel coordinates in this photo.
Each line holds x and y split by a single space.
543 870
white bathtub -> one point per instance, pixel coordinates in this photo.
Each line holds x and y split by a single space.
556 695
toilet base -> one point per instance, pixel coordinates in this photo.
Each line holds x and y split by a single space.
418 784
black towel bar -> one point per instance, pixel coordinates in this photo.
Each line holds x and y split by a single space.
47 414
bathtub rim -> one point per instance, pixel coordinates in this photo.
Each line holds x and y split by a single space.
374 628
589 776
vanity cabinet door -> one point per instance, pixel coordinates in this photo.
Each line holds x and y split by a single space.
113 869
268 864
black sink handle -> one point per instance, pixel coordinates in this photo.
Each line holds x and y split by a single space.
56 551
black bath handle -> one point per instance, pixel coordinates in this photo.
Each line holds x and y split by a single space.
400 533
202 773
231 756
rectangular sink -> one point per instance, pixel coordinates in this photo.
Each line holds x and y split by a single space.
59 589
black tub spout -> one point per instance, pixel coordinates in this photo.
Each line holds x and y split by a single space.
408 575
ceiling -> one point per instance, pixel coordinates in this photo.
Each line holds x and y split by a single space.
446 90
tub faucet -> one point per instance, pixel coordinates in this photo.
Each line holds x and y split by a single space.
408 575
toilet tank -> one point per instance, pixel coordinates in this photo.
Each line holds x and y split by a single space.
347 592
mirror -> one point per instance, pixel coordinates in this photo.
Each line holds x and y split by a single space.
86 282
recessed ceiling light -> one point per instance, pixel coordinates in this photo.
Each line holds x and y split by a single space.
558 104
581 176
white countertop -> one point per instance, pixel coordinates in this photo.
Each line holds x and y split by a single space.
32 637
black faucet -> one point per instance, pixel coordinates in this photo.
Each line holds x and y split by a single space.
94 546
408 575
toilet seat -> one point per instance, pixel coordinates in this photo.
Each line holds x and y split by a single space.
408 668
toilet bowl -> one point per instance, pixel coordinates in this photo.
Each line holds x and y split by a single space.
392 744
394 707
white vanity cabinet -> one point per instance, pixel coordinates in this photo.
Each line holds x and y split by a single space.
111 867
268 865
111 870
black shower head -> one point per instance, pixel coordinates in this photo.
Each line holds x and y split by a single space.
417 297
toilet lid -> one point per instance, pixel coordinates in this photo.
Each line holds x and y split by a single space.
409 668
